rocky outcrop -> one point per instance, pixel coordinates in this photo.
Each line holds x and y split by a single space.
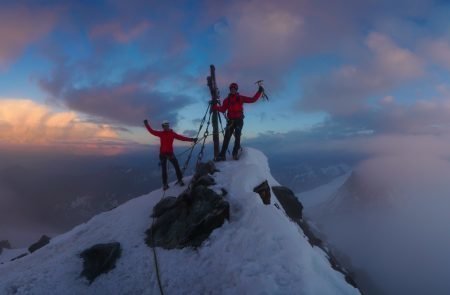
44 240
4 244
189 219
293 208
263 190
100 259
203 174
289 201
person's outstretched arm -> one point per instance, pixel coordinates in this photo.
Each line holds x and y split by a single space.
151 130
255 97
183 138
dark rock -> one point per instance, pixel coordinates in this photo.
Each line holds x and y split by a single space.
289 201
312 238
205 169
4 245
203 172
20 256
164 205
315 241
205 180
44 240
190 220
264 192
99 259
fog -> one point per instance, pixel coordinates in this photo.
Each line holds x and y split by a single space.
49 193
389 222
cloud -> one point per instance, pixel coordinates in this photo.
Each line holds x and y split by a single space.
128 104
117 31
136 66
397 63
261 33
139 64
128 101
270 39
28 124
438 51
400 195
345 138
431 116
345 91
19 27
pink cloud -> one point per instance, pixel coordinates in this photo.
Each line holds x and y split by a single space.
117 31
21 26
438 51
391 60
344 91
264 34
273 37
25 124
388 99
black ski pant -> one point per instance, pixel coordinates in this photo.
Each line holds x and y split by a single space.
233 126
163 159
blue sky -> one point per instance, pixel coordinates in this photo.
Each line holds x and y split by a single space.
85 74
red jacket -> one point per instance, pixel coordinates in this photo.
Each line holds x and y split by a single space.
166 139
234 105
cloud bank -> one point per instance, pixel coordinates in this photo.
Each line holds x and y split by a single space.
27 123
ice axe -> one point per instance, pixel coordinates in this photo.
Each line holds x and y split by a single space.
260 83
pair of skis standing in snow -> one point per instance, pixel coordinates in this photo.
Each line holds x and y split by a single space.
232 105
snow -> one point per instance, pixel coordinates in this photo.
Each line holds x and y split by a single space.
259 251
322 194
8 254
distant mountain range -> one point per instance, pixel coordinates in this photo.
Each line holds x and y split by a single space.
61 192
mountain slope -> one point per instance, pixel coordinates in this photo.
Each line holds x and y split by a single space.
259 251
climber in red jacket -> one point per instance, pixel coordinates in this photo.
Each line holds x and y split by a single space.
234 106
167 136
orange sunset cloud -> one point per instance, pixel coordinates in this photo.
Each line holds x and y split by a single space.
24 122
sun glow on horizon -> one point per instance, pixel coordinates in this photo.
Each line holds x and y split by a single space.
26 123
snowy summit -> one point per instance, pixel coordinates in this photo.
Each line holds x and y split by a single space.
259 250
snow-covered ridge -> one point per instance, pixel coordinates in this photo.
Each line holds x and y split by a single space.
259 251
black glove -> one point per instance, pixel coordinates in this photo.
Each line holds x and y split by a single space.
145 122
195 140
260 89
212 108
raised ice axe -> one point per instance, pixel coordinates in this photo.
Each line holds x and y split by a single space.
260 83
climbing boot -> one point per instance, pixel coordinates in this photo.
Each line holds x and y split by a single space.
220 158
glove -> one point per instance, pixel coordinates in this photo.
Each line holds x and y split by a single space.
145 122
195 140
261 89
